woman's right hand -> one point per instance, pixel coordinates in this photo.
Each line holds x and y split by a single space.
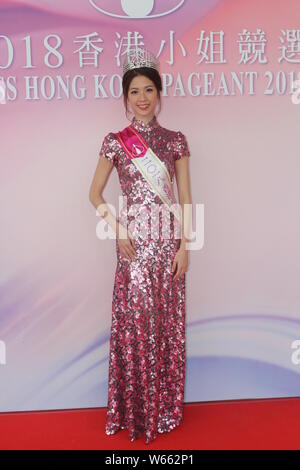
126 243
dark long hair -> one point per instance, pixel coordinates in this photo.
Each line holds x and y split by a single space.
148 72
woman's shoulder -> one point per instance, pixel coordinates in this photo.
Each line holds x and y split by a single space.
174 138
110 139
172 133
177 142
110 135
110 147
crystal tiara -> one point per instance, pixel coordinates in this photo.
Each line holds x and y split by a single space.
137 57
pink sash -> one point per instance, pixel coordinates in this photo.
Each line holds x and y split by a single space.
150 166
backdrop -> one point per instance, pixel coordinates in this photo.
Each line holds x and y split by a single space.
229 71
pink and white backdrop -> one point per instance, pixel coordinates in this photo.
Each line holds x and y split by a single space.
229 71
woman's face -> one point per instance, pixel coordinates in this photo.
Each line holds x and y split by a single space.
142 97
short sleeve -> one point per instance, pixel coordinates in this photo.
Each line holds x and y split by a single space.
109 148
180 146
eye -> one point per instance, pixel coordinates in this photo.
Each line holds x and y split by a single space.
134 91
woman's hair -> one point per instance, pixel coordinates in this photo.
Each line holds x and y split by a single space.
148 72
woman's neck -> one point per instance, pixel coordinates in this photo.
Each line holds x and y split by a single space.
145 119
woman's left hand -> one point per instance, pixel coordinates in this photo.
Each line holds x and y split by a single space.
181 260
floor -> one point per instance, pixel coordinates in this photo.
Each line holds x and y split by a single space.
245 424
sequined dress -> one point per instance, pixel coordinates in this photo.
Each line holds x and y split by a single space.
147 342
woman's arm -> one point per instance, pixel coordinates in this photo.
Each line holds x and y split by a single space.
101 175
184 193
102 172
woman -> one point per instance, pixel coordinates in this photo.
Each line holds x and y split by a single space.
147 343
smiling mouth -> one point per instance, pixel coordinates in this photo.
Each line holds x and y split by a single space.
144 107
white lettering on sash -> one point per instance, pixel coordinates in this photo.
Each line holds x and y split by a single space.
150 166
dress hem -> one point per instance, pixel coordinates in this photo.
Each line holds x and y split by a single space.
147 439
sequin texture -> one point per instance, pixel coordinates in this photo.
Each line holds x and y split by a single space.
147 341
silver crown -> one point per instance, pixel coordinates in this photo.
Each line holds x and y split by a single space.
137 57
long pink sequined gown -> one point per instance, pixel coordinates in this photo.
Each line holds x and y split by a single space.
147 342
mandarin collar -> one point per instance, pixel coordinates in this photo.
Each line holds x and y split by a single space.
142 126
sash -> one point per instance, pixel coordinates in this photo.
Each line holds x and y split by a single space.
150 166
